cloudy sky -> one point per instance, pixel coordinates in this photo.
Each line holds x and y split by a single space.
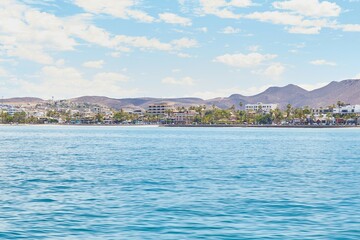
174 48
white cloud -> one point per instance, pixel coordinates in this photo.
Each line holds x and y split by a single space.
254 48
304 16
29 34
323 62
3 72
80 27
175 19
184 43
116 8
350 27
115 54
110 77
226 92
184 55
68 82
230 30
223 8
61 74
311 8
298 23
203 29
275 70
254 90
187 81
141 42
286 18
244 60
60 62
305 30
311 87
94 64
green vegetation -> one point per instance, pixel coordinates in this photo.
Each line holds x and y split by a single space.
200 115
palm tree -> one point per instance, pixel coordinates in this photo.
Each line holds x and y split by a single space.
288 111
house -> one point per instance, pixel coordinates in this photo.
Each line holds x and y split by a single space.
347 109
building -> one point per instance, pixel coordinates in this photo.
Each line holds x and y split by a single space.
138 112
185 117
159 109
11 110
318 111
261 107
347 109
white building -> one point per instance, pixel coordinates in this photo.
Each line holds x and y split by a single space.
263 107
347 109
11 110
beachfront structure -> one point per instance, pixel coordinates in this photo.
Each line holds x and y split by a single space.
184 117
347 109
261 107
159 109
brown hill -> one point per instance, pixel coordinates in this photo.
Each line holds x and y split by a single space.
22 101
347 91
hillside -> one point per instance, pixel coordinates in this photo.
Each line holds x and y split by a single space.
347 91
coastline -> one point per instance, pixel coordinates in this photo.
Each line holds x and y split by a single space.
259 126
184 126
78 125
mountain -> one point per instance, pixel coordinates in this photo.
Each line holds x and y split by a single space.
137 102
22 100
347 91
281 95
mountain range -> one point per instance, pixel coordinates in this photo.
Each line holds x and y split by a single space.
347 91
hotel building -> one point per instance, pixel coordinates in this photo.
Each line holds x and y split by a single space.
264 107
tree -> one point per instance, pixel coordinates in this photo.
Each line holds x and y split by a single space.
99 117
277 116
19 117
340 104
288 111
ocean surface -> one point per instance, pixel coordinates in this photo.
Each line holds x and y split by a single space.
186 183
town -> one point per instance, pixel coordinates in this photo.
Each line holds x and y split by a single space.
166 113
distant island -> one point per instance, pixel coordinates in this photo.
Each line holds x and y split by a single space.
336 104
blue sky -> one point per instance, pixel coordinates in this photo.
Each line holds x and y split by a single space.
174 48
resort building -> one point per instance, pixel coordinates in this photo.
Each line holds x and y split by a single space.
261 107
184 117
159 109
347 109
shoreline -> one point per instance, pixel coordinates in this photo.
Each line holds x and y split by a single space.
183 126
78 125
259 126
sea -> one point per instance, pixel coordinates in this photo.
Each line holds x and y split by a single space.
95 182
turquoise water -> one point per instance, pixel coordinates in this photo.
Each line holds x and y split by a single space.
186 183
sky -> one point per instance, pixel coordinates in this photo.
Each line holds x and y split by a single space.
174 48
